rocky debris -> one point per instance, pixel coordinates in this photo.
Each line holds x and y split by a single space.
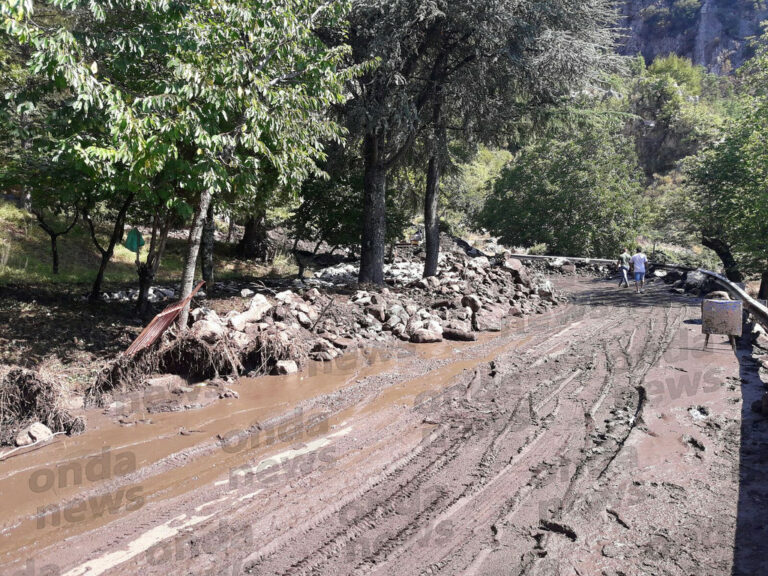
760 337
565 267
692 282
275 333
35 432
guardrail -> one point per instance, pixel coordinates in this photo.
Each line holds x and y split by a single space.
758 310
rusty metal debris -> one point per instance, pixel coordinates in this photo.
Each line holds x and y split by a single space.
160 324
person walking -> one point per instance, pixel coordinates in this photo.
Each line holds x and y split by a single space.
639 261
623 263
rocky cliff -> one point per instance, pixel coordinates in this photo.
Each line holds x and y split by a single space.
713 33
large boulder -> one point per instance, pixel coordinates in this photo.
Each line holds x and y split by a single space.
472 301
518 271
697 282
256 311
284 367
35 432
208 331
489 319
462 335
425 336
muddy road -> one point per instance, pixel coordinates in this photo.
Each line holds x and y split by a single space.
598 439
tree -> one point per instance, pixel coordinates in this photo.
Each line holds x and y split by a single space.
332 207
476 62
579 192
219 90
728 181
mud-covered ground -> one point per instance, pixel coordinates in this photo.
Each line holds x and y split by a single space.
598 438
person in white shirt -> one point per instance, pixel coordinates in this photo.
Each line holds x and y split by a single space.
639 261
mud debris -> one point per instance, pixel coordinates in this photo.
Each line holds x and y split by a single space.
31 402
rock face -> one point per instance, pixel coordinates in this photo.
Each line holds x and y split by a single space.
712 33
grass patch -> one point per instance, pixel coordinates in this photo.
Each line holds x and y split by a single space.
25 256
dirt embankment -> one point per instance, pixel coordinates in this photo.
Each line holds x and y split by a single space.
278 332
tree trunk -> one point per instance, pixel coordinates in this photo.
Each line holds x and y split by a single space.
254 244
193 248
436 147
106 255
54 235
55 252
723 250
231 229
146 276
431 220
763 293
374 212
207 249
147 270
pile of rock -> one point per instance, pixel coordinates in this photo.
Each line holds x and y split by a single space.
568 267
691 282
468 295
278 332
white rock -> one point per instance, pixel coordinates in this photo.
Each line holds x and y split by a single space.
35 432
246 293
208 331
286 367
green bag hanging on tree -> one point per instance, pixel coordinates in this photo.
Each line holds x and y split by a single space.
134 241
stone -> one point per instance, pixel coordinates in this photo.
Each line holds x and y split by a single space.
488 320
378 311
472 301
480 262
258 308
208 331
35 432
460 335
246 293
434 326
304 320
286 296
424 336
312 295
392 322
284 367
343 343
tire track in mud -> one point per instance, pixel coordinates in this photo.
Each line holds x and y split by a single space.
559 382
494 472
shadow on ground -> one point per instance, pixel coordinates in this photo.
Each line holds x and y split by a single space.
750 558
606 293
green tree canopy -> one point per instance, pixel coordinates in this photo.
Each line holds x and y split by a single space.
579 192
